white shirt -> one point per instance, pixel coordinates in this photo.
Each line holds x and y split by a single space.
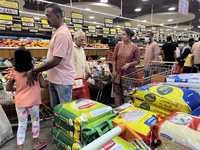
177 52
81 65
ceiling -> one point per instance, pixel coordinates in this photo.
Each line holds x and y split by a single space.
160 14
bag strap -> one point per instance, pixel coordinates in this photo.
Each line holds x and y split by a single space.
110 126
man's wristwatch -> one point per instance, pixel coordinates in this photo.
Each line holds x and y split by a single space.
127 64
34 73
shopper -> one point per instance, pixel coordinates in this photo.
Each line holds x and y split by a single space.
169 50
125 57
110 54
187 49
185 44
152 51
196 52
60 59
27 98
189 63
81 65
177 50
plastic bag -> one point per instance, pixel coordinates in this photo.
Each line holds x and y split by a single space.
5 128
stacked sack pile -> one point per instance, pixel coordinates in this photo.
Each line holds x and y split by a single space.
80 122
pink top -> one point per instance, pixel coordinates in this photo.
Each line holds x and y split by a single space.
151 52
25 95
61 46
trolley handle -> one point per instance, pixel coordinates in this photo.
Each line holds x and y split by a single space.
170 62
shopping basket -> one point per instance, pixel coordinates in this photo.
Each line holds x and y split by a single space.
155 71
131 135
82 91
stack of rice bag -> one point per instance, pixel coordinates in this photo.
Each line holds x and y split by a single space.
80 122
163 99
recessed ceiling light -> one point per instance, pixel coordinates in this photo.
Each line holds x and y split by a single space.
138 9
170 20
144 21
175 27
94 22
167 29
145 0
161 24
118 25
198 26
172 8
91 17
98 26
88 9
104 1
139 24
36 18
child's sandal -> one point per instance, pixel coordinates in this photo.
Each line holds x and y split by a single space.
39 146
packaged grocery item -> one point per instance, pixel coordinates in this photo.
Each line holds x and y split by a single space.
180 130
64 140
137 119
81 112
169 97
118 144
150 107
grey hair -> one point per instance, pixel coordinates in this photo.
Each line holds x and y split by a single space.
78 33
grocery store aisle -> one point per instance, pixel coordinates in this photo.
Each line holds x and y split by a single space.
45 135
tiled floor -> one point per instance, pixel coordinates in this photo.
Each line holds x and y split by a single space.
45 135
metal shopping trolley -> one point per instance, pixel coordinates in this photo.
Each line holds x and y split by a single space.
155 71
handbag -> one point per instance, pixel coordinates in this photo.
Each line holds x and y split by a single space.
117 79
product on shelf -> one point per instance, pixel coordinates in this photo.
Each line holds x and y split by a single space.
96 45
18 43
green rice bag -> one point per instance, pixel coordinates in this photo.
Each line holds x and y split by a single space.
64 140
81 112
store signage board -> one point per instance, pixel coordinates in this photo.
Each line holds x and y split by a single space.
72 31
16 27
140 34
119 32
77 27
106 30
153 29
128 25
87 33
33 29
105 36
92 29
142 28
45 24
161 30
95 35
63 13
77 18
183 7
108 23
113 31
6 19
9 7
2 27
27 22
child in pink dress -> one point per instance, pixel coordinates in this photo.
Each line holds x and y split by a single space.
27 98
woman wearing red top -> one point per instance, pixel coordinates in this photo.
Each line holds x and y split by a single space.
125 57
110 55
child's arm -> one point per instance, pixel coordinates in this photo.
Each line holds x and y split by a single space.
42 81
192 60
10 86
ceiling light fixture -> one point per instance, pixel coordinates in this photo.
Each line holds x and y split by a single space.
161 24
94 22
172 8
104 1
98 26
175 27
91 17
185 29
145 0
88 9
138 9
139 24
36 18
198 26
144 21
170 20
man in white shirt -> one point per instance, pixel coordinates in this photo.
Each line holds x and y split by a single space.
81 65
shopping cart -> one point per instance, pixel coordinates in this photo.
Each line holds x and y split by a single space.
133 137
155 71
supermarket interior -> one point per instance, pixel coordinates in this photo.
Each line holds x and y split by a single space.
99 74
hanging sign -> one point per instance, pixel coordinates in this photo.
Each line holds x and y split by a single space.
189 34
77 18
72 31
33 29
87 33
27 22
142 28
113 31
108 23
183 7
77 27
6 19
45 24
128 25
2 27
95 34
161 30
174 32
153 29
119 32
9 8
105 35
16 27
92 29
106 30
140 34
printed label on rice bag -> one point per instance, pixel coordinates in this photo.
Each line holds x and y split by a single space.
84 105
112 145
151 121
164 90
100 111
150 97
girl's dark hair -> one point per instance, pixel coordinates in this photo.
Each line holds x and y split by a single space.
129 32
111 44
23 60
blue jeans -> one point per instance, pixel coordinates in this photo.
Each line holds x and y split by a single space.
60 93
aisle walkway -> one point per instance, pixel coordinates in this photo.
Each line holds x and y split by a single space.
45 135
